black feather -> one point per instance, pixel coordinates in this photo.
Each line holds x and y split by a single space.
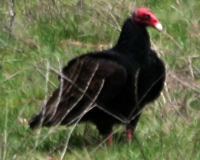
111 86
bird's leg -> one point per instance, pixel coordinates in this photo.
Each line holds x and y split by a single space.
130 128
129 134
110 140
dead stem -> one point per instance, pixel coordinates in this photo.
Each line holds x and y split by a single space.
12 16
90 106
83 93
11 76
5 134
186 84
43 109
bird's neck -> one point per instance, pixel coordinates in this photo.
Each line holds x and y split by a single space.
133 40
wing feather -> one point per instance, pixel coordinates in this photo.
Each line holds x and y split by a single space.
86 80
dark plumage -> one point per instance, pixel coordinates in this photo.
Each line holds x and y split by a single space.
118 81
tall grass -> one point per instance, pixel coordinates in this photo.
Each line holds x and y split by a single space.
44 31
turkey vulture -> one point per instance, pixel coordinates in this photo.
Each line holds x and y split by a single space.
111 86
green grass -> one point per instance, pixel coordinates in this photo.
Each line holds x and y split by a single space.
43 33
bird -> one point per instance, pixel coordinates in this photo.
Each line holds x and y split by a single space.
109 87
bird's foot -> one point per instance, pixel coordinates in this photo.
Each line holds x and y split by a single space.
129 135
110 140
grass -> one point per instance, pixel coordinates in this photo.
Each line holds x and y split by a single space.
43 32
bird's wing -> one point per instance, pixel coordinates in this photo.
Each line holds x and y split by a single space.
84 82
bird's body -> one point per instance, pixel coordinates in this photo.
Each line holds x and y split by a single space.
108 87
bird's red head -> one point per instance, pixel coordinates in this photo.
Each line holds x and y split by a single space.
145 17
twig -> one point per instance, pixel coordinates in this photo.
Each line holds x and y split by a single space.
190 58
90 106
166 89
121 118
70 133
5 133
12 16
118 117
177 111
40 72
172 38
170 101
136 93
92 102
67 141
83 93
11 76
43 109
142 98
60 91
190 67
185 84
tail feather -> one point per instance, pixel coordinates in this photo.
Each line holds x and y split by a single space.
35 121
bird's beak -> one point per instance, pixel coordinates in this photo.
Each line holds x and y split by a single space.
158 26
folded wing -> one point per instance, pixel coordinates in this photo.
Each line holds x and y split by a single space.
86 81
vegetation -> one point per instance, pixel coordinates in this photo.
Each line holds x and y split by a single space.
50 33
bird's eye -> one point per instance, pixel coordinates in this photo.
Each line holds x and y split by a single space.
146 17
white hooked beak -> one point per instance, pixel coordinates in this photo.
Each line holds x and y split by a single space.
158 26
